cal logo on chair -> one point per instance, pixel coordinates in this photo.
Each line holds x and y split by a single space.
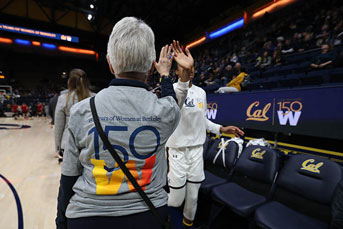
309 165
256 154
220 145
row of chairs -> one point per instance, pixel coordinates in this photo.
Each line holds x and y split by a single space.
297 72
281 70
295 63
319 77
255 187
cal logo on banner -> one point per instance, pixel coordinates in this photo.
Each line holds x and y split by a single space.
259 114
296 111
309 165
256 154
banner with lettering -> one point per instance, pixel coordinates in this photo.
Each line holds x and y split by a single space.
313 112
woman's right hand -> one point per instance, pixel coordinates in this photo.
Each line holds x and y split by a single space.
165 62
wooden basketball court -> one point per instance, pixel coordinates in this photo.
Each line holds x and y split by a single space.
27 160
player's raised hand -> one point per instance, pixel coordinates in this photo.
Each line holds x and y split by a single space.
165 62
185 60
231 130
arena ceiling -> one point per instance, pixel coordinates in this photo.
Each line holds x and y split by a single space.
170 19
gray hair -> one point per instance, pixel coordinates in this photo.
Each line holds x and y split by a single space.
131 46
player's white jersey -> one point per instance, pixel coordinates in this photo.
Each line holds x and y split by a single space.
193 124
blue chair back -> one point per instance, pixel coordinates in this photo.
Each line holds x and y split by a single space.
307 184
310 176
230 153
259 163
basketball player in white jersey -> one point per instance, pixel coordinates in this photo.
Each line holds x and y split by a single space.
186 166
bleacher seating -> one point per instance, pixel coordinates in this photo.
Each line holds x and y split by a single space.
296 73
282 72
336 75
291 80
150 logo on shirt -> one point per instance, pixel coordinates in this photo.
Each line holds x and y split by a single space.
109 180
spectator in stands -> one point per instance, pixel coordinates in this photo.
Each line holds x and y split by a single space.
324 59
323 38
279 44
211 79
234 85
295 33
277 57
287 48
268 47
237 69
222 65
242 55
227 74
203 66
217 72
200 81
234 58
308 41
337 33
298 42
258 61
266 60
78 89
212 83
293 26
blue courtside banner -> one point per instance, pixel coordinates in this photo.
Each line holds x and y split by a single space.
311 111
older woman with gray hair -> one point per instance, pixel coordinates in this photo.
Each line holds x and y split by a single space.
94 191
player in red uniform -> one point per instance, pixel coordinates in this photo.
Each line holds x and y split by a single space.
15 110
24 110
40 109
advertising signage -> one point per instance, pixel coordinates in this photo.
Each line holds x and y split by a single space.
313 112
38 33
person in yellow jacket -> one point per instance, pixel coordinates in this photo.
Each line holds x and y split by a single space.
234 85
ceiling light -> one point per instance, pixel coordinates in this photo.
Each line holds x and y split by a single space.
91 6
89 17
